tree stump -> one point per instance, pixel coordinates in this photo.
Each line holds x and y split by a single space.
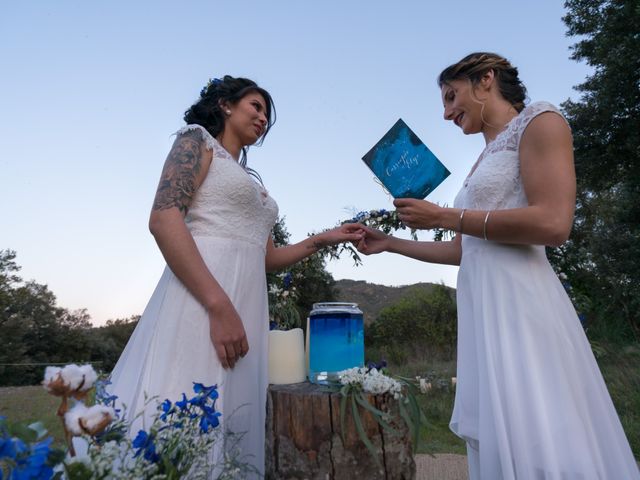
304 438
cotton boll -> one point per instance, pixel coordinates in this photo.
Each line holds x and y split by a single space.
54 382
73 376
90 376
96 419
50 374
72 418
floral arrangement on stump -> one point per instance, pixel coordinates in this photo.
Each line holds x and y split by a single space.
359 383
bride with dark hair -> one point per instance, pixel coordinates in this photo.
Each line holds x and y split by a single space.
207 320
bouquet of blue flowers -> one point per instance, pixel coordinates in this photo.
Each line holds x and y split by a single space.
179 443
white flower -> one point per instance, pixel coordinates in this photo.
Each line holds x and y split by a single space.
424 385
454 381
372 381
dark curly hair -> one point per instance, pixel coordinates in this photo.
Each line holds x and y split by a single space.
207 111
475 65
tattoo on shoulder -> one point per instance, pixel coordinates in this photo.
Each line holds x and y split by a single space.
178 180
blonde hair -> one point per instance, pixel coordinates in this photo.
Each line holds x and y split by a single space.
474 66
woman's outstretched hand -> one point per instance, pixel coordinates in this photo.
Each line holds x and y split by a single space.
373 241
227 334
419 214
347 232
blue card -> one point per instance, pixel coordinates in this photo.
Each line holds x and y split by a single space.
404 165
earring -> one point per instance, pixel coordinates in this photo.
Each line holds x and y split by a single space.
228 112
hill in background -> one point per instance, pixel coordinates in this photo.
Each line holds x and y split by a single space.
371 298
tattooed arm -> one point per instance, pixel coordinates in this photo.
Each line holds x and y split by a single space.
184 170
278 258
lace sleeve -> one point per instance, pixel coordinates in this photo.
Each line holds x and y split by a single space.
210 142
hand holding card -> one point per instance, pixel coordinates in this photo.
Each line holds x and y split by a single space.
404 165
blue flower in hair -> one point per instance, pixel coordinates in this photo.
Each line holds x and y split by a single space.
212 81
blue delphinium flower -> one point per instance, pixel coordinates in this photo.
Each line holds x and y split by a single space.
166 409
183 404
378 366
103 397
144 444
210 392
35 466
209 418
287 280
7 448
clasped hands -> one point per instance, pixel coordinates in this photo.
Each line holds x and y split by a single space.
414 213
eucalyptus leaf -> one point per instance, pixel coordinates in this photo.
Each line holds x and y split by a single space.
378 415
360 429
39 428
343 411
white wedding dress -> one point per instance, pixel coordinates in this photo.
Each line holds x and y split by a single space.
530 401
230 218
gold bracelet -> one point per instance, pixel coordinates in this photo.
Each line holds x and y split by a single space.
484 227
460 222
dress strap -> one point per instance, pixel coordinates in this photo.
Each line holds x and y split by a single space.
530 112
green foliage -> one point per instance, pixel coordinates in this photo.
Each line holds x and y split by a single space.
109 341
306 283
36 332
33 328
602 258
421 320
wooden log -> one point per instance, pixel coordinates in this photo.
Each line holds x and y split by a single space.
304 438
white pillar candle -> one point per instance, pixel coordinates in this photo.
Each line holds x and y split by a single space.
286 356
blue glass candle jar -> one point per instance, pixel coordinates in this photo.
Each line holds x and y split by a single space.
336 340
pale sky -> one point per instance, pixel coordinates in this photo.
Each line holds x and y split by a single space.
91 92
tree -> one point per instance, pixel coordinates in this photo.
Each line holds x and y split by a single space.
34 330
423 321
602 258
109 341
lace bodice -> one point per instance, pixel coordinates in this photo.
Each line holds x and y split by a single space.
495 183
229 203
